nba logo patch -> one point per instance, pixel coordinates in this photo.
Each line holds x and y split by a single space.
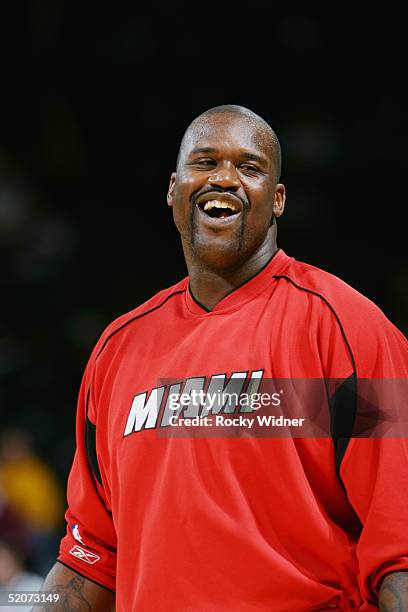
84 555
76 534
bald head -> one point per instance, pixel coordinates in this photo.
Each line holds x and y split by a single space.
233 111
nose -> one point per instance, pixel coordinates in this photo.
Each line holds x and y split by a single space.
225 176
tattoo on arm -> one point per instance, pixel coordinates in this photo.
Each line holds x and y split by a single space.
394 592
71 597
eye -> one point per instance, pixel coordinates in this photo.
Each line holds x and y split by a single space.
204 163
249 168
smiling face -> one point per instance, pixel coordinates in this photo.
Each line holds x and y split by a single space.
225 193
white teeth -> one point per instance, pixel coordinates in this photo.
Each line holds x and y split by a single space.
219 204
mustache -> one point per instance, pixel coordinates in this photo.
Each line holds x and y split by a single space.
217 189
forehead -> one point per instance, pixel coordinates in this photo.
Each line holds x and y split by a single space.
225 132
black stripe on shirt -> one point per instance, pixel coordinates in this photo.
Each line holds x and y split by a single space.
90 428
137 317
343 403
90 445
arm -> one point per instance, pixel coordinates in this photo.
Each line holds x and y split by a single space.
89 546
394 592
374 468
77 594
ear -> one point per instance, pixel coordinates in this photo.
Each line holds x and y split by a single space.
171 189
280 199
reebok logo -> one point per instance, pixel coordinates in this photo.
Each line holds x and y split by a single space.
84 555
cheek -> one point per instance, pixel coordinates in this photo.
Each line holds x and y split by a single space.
179 216
261 210
186 187
183 192
182 207
188 183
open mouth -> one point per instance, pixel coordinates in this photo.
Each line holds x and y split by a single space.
219 209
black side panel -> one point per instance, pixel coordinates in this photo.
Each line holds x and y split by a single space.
343 408
90 444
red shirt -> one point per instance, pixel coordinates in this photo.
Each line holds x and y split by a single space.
243 523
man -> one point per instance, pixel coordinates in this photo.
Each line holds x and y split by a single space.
234 521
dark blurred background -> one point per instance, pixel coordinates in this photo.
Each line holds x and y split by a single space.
95 98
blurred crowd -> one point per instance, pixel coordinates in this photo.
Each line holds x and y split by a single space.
31 513
40 365
34 456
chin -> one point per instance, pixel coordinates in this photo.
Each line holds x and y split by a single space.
219 257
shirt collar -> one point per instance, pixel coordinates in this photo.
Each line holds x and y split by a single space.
245 292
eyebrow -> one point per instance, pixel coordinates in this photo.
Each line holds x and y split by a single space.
202 150
247 154
255 157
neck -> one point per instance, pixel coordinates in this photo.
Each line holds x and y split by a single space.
210 286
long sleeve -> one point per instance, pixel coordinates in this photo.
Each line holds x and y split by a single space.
374 469
89 546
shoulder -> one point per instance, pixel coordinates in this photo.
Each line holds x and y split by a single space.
340 297
370 334
122 322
